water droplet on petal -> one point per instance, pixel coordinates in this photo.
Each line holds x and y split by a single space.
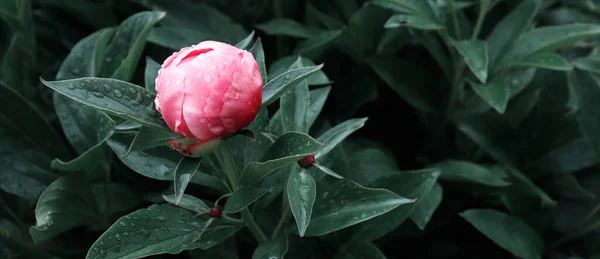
168 82
213 67
207 78
178 81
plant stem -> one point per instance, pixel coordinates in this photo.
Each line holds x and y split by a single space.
454 19
286 214
233 220
230 171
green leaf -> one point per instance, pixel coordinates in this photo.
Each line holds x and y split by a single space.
475 54
116 97
157 163
14 65
545 60
159 229
26 173
410 6
360 249
148 138
506 231
346 203
188 202
399 76
550 38
337 134
464 171
288 148
314 47
67 203
426 206
587 92
507 32
115 199
496 93
183 173
322 18
242 198
413 21
274 248
589 64
259 55
280 84
282 65
328 171
243 44
124 50
364 29
286 27
294 106
9 13
414 185
317 98
301 194
569 158
150 74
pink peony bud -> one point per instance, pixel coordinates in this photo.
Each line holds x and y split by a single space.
208 91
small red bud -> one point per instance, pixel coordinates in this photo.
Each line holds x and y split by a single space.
215 212
307 161
570 60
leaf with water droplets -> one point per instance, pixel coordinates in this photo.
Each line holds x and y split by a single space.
288 148
67 203
124 50
188 202
259 55
242 198
294 105
411 184
475 54
317 101
496 93
273 249
125 100
280 84
347 203
416 21
147 138
301 193
590 64
426 206
183 173
159 229
545 60
337 134
328 171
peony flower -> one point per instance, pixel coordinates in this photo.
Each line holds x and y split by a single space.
207 92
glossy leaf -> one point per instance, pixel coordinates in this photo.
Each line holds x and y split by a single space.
282 65
346 203
286 27
426 206
159 229
496 93
506 231
550 38
119 98
150 74
545 60
410 6
414 21
586 91
243 44
337 134
183 173
274 248
317 98
464 171
66 203
188 202
259 55
149 138
414 185
589 64
123 52
280 84
475 54
301 193
288 148
507 32
242 198
315 46
569 158
294 105
328 171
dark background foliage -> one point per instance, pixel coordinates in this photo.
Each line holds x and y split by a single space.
544 139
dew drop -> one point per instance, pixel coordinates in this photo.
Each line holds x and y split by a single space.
132 91
71 86
195 224
95 249
138 100
118 93
203 65
126 234
136 218
122 223
166 230
160 218
287 77
132 224
98 94
207 78
75 71
118 237
177 81
144 232
107 88
108 59
213 67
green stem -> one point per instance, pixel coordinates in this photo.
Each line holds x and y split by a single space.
232 220
286 214
230 171
454 19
